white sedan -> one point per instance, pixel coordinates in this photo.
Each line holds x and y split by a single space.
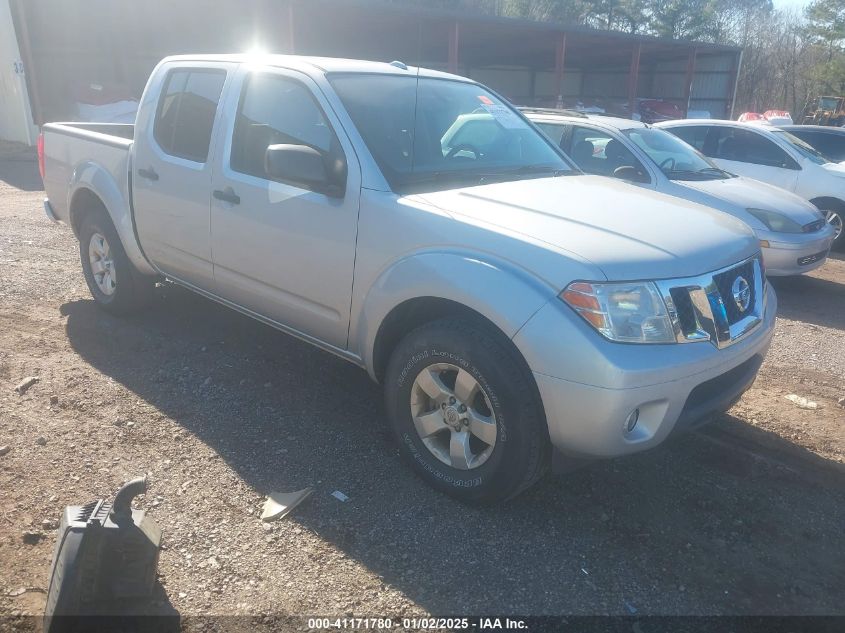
772 155
793 234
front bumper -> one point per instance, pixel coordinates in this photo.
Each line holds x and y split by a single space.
803 255
589 387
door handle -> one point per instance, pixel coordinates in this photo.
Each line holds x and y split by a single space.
227 195
149 174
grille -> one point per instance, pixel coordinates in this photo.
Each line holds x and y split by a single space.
724 283
86 511
685 310
812 227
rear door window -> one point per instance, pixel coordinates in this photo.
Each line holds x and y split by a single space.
186 112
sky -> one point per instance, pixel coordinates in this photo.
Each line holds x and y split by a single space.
790 4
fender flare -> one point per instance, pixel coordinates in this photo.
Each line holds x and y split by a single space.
91 177
504 294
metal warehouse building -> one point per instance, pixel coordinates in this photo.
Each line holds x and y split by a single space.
108 47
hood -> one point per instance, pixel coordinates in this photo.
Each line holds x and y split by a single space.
626 231
747 193
838 169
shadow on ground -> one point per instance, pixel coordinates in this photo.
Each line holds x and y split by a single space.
21 171
696 526
811 300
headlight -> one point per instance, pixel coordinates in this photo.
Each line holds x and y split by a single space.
625 312
776 222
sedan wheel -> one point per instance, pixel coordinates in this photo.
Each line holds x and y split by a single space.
835 220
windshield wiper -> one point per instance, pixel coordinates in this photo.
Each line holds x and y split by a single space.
479 177
689 174
538 169
716 170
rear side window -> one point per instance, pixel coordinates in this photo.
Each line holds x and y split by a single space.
186 112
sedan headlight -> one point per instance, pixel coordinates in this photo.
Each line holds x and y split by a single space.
625 312
776 222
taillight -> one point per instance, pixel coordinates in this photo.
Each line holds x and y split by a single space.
41 155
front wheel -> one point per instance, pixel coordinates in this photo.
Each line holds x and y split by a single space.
465 411
114 283
834 218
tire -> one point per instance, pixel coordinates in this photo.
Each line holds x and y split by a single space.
836 217
497 465
122 289
834 213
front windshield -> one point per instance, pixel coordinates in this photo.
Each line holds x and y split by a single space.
808 151
675 158
456 133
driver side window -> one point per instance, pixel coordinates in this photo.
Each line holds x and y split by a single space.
596 152
277 110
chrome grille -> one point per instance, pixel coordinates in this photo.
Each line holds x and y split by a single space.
704 308
724 283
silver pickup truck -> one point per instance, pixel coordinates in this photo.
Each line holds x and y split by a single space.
517 312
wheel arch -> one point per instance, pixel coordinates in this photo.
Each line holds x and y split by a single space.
838 204
431 286
92 189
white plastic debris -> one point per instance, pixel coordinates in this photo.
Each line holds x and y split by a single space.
337 494
280 504
802 402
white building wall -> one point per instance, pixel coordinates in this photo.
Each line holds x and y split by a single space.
15 115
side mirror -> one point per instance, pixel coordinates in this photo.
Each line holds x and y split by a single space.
300 165
627 172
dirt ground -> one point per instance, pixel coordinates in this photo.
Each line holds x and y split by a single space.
744 517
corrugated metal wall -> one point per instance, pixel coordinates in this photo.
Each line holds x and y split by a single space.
106 49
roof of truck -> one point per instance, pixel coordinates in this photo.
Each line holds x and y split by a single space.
323 64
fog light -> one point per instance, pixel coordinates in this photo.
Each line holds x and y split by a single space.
632 420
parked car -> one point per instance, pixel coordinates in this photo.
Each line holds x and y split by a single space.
794 236
509 304
828 141
772 155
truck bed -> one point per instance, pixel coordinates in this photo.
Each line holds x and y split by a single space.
74 152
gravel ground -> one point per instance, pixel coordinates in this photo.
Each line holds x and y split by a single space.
745 517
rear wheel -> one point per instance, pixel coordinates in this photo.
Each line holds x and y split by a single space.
112 279
465 411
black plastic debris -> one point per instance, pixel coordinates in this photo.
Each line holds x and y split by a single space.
106 556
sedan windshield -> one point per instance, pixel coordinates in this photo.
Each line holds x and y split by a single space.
444 133
675 158
808 151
